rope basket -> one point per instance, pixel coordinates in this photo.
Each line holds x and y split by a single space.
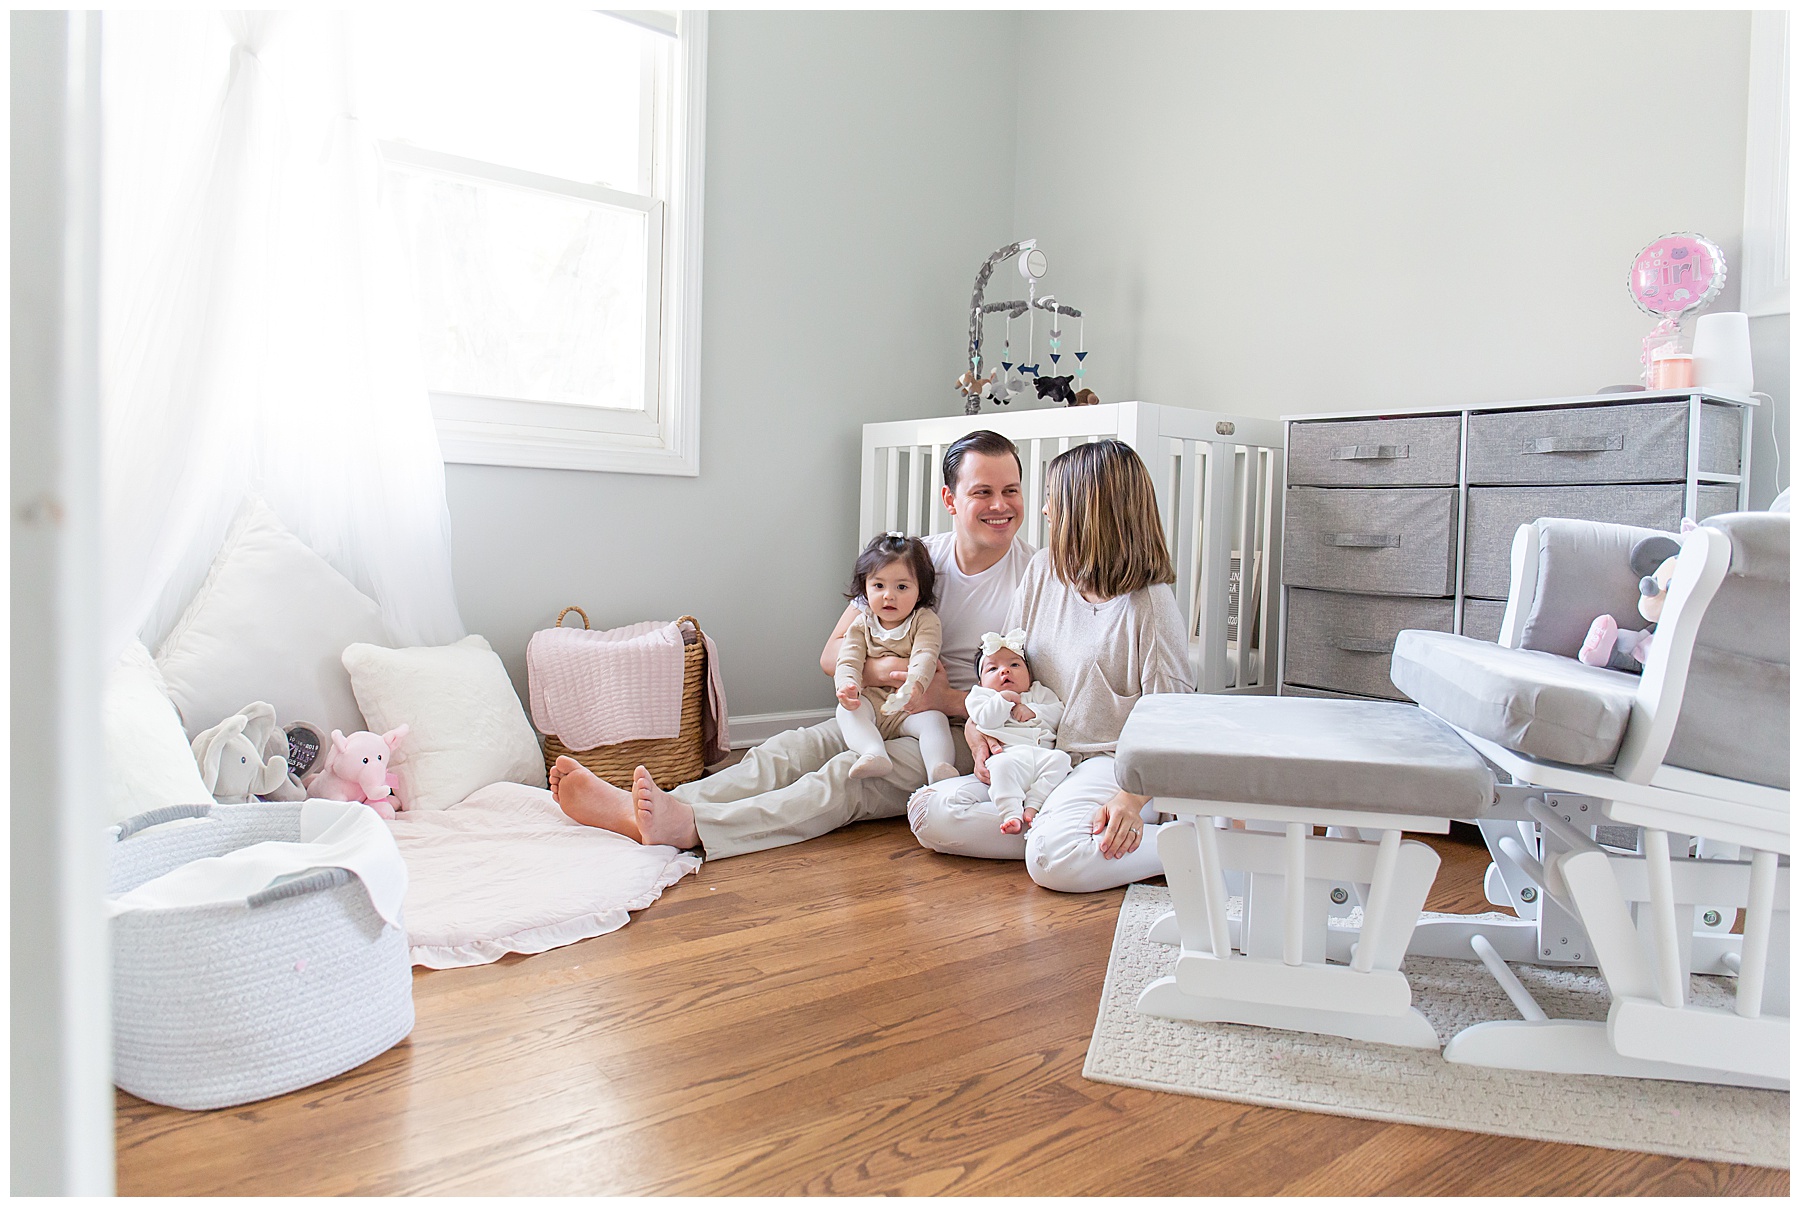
670 761
217 1005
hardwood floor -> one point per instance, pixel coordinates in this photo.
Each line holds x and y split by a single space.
852 1015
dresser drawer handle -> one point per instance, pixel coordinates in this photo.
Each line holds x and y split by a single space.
1371 452
1574 444
1364 645
1360 540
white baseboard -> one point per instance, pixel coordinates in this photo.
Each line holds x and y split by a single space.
753 729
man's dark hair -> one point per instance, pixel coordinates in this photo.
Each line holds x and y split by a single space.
892 547
991 444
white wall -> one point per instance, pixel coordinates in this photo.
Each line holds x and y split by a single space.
1263 212
857 172
1289 212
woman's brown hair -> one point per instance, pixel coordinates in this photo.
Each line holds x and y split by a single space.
1106 536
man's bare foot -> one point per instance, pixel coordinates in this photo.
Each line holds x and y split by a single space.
661 819
592 801
871 766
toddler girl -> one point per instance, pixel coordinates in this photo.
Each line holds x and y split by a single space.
1022 715
895 586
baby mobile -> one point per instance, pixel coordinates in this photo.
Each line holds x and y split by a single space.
1013 373
1670 279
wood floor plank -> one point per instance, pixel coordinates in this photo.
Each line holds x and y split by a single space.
851 1015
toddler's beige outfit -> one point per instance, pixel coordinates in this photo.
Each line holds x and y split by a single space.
880 714
918 639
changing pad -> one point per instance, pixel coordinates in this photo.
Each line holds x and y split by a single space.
508 871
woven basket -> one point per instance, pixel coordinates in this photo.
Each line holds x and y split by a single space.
217 1005
670 761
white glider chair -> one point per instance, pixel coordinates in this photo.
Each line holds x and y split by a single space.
1643 811
1589 783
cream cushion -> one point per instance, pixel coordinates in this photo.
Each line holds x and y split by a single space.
468 729
148 761
269 623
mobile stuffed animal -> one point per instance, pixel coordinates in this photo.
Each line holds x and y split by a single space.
1653 560
236 764
356 768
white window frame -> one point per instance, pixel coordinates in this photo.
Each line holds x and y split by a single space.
1765 269
664 438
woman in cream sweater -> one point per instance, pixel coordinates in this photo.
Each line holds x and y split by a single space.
1102 629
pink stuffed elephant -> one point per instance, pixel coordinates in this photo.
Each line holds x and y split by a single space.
356 768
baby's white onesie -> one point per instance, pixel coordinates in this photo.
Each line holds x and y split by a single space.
1028 766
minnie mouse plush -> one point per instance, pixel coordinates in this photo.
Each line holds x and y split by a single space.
1653 560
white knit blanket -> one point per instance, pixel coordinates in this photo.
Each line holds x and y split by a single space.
599 687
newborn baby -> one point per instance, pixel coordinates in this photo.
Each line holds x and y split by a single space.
1021 715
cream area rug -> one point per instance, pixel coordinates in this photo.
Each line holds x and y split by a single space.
1409 1085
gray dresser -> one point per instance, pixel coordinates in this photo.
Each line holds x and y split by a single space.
1406 520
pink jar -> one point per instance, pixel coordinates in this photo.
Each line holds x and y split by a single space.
1674 371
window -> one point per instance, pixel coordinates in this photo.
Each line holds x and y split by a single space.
1765 271
544 168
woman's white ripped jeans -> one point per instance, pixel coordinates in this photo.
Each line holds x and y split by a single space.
1060 850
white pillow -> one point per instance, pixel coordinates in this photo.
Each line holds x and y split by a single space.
269 623
147 758
468 727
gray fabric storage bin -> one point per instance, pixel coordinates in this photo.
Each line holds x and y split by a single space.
1344 642
1715 500
1641 442
1495 513
1375 452
1381 541
1721 439
1481 619
219 1005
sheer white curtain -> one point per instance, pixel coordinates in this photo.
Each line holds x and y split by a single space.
258 333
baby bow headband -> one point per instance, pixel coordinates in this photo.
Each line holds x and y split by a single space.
1014 641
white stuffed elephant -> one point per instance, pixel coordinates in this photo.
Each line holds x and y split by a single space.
232 759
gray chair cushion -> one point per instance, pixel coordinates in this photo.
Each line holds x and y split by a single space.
1584 569
1539 704
1734 710
1348 754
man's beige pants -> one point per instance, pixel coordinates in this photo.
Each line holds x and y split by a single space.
797 786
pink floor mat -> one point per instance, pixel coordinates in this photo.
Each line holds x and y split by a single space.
507 871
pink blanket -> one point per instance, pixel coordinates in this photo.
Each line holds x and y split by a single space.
600 687
506 871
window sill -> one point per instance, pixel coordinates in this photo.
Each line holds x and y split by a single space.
479 442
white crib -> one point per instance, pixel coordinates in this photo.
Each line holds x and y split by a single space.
1218 485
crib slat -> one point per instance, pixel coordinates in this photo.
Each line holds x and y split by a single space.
1193 472
1164 461
1270 632
1034 494
890 518
866 519
1215 566
915 503
1249 596
936 505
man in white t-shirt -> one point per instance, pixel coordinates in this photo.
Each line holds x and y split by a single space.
797 784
